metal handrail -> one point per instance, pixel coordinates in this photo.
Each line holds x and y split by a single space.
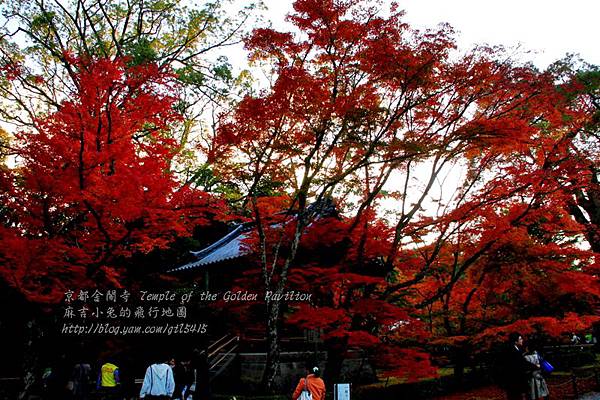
223 357
217 341
225 365
234 338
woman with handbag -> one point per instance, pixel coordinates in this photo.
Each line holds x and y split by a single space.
310 388
538 389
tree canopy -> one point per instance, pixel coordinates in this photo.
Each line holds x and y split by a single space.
464 182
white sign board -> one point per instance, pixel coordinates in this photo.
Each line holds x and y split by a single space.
341 391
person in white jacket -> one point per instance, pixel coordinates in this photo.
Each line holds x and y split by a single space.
158 382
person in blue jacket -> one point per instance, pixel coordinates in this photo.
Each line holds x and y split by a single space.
159 382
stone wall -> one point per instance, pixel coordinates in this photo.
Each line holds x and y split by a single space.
245 373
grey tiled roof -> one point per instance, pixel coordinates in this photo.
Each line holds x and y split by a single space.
229 247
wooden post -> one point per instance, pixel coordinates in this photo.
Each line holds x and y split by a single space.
574 381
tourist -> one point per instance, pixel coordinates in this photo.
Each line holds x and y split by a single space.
57 380
312 384
127 373
201 373
80 378
184 377
515 369
108 381
158 382
537 388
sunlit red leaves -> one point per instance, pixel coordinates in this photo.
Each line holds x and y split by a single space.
406 60
499 135
94 184
268 43
316 18
355 93
11 71
524 273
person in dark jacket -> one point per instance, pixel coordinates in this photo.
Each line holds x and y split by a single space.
81 379
129 389
184 378
201 367
57 380
515 368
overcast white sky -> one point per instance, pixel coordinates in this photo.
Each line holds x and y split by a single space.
551 28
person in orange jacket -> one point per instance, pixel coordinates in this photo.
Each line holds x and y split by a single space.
313 384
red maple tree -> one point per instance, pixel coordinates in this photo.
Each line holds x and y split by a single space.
361 106
93 185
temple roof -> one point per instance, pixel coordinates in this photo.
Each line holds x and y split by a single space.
231 245
228 247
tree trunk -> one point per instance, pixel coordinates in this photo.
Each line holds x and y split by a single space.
272 362
30 366
336 350
459 370
460 359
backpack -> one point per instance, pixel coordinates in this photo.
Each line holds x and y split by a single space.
305 394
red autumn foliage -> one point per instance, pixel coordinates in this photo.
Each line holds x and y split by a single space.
93 183
361 106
